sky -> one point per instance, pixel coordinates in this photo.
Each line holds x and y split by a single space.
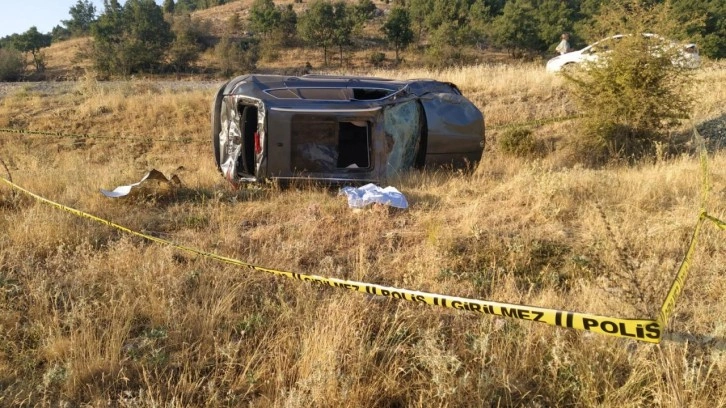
17 16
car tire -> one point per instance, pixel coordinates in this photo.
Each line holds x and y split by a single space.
216 124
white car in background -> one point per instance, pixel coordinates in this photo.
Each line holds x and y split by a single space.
688 55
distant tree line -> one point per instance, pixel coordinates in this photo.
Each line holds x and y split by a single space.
141 36
534 26
187 6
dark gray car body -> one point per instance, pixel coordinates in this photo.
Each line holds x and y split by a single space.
339 129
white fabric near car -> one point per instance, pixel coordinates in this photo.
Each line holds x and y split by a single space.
359 197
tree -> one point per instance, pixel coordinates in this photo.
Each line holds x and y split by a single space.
83 14
236 56
147 34
12 64
205 4
363 11
703 22
131 39
418 11
60 33
265 18
317 25
9 41
516 28
168 6
185 6
108 38
481 15
553 18
452 17
288 23
32 41
397 29
634 92
343 25
186 46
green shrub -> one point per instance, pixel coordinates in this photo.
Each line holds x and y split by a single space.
517 142
634 93
236 56
377 59
12 64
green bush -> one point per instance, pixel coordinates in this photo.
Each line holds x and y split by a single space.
237 56
377 59
12 64
517 142
634 93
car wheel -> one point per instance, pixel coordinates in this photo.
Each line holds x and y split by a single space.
216 124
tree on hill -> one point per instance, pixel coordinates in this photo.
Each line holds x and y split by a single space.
317 25
83 14
108 37
454 18
185 6
147 34
516 28
363 10
132 38
418 11
397 29
264 17
32 41
288 24
187 44
236 56
168 6
343 25
60 33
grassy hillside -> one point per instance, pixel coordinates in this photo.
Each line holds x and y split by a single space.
92 316
71 59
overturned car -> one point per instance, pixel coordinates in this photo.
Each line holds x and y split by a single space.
340 129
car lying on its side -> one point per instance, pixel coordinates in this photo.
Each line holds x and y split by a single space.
687 56
340 129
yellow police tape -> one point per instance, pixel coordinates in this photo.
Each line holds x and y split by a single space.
679 281
646 330
677 286
720 224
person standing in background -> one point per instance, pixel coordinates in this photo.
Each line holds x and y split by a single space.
564 46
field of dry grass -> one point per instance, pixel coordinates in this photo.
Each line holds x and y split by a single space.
90 316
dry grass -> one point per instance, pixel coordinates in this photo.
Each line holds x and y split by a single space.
69 59
90 316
